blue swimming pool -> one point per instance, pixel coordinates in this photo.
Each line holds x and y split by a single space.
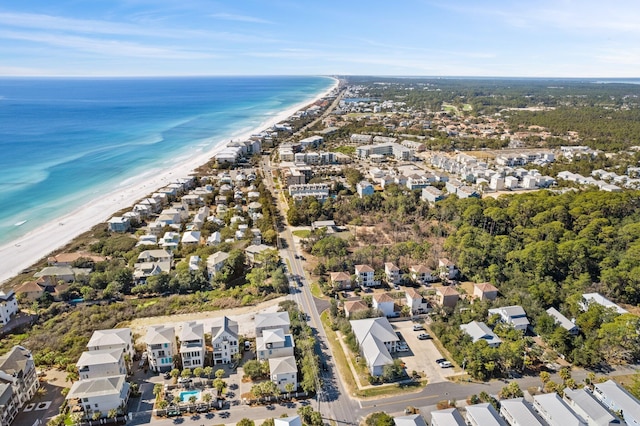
185 395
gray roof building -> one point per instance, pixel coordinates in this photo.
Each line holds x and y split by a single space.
484 415
518 412
447 417
589 408
479 330
618 399
555 411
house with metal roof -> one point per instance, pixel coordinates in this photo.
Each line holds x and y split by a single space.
589 408
479 330
555 411
563 321
618 399
513 315
161 347
99 395
101 363
411 420
447 417
377 340
283 370
518 412
484 415
114 338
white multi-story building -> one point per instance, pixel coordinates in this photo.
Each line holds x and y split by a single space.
224 340
283 370
101 363
274 344
99 396
365 276
319 191
115 338
161 347
192 348
8 306
18 382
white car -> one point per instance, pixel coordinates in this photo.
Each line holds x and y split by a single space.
418 327
445 364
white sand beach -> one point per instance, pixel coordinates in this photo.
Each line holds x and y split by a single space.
28 249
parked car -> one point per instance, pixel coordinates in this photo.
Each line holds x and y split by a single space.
173 413
423 336
167 375
418 327
396 287
402 348
183 380
445 364
439 360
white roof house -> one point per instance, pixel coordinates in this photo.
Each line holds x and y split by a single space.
618 399
447 417
101 363
563 321
192 346
161 347
377 339
283 370
270 321
589 298
114 338
224 339
479 330
589 408
287 421
411 420
518 412
514 315
483 415
101 394
555 411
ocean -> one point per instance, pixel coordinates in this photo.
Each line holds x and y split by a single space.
65 141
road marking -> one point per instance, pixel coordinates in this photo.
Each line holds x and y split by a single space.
399 402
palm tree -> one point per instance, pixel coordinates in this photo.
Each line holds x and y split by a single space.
175 373
207 397
219 373
176 400
192 399
198 372
219 384
208 371
545 377
157 390
186 373
289 387
162 404
112 413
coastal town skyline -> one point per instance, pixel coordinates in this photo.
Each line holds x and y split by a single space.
142 38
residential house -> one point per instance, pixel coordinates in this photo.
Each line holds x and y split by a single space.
320 191
283 370
619 400
417 303
274 343
119 224
479 330
161 347
513 315
353 306
518 412
101 363
254 252
18 382
114 338
589 298
563 321
152 262
555 411
365 276
447 296
421 274
191 238
392 272
272 321
214 238
340 280
67 259
447 417
364 188
224 340
8 306
29 291
192 347
485 291
216 262
59 273
377 340
584 404
410 420
447 269
99 395
432 194
287 421
384 303
483 415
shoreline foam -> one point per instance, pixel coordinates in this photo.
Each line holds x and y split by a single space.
25 251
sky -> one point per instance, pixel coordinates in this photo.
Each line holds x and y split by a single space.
524 38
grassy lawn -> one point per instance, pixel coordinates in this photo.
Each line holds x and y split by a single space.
450 108
302 233
467 107
347 150
338 354
316 291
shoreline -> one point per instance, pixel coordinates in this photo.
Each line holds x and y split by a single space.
23 252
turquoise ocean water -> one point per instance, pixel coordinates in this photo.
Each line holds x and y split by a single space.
66 141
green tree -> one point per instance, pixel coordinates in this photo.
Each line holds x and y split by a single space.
246 422
253 369
186 373
219 373
158 389
379 419
208 371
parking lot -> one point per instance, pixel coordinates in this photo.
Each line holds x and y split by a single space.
422 354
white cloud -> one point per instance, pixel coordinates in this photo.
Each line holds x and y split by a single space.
240 18
113 48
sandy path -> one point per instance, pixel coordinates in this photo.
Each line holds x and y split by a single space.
244 317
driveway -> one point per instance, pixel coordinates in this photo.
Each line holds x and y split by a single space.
422 354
